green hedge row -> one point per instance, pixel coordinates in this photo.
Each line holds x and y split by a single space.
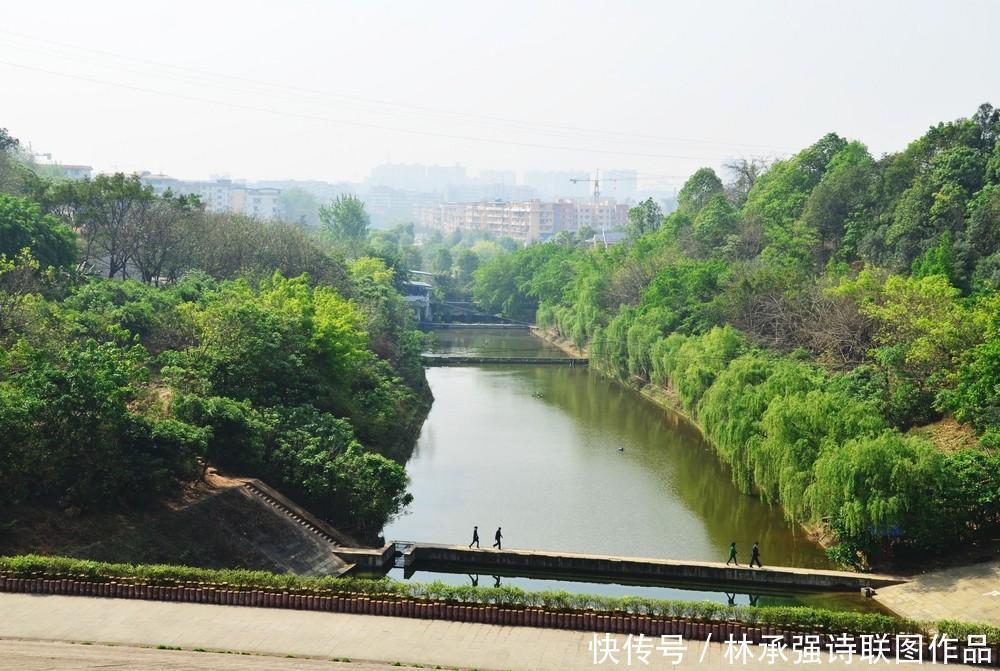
807 618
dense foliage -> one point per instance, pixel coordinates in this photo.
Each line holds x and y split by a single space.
451 259
812 316
210 339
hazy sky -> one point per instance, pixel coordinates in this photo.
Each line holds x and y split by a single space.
326 90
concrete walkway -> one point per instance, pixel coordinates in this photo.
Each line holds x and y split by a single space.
322 635
970 593
718 574
57 656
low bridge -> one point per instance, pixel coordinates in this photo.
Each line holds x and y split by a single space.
431 360
540 563
476 326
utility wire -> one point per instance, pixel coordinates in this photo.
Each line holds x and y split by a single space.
349 122
544 127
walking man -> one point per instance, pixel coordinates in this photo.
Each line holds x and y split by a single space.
475 537
732 554
498 536
755 555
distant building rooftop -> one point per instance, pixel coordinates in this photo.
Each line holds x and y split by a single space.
611 237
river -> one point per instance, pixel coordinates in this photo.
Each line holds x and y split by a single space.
565 459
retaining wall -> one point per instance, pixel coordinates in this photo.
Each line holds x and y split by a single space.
595 621
370 558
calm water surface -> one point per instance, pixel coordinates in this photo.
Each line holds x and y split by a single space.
535 449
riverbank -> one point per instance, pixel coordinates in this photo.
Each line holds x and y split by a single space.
217 522
564 344
666 399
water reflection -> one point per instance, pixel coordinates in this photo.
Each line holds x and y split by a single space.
590 585
567 460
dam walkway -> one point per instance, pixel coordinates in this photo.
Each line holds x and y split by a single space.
433 360
459 558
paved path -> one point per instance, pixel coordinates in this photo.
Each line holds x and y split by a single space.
318 635
647 568
961 593
57 656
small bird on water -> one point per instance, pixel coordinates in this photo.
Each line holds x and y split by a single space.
621 449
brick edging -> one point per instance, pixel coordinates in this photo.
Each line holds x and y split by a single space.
232 595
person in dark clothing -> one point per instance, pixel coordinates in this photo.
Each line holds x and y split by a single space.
755 555
732 554
475 537
498 536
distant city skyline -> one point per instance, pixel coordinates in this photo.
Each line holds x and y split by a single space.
327 91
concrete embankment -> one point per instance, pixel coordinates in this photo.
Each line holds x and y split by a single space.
561 343
642 568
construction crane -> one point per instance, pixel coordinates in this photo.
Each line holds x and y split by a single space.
596 179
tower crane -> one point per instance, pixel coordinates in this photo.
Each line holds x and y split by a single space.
596 180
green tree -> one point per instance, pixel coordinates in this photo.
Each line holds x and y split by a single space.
466 263
442 261
299 206
83 445
880 488
644 218
700 188
109 211
346 223
24 226
837 208
716 221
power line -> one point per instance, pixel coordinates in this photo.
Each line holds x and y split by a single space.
545 127
349 122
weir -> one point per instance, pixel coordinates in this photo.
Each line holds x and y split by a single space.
479 360
557 564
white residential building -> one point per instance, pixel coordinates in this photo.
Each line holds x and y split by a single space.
222 195
523 220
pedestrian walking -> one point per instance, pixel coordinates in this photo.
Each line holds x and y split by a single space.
755 555
498 536
475 537
732 554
